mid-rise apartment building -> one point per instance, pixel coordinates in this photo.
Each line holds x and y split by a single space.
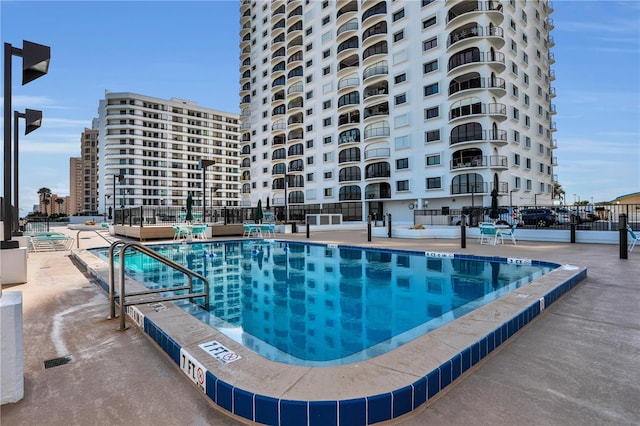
157 146
375 107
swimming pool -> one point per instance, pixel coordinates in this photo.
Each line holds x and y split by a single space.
319 305
370 391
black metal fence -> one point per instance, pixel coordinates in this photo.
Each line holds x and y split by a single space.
585 217
166 215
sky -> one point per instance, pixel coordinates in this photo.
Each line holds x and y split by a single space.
189 50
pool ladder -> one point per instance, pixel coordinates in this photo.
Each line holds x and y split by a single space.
121 296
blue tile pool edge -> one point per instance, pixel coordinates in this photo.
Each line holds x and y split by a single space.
367 409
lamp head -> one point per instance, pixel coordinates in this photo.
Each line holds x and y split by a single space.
35 61
33 119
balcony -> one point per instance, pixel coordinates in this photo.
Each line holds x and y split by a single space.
377 153
495 110
497 85
473 56
494 136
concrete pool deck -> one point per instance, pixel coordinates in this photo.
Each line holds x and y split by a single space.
578 363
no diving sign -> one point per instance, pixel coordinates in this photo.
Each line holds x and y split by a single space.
193 369
219 352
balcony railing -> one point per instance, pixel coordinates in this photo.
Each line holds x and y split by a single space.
482 135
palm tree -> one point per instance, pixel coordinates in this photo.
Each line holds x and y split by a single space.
45 195
59 202
558 192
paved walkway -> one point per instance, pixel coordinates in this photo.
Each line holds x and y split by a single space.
577 364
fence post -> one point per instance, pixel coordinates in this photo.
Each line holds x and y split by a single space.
307 229
141 215
389 224
369 228
622 221
463 232
573 228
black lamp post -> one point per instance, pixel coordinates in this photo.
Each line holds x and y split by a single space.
120 178
33 120
203 164
511 197
35 63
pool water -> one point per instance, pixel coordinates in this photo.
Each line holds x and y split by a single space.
311 304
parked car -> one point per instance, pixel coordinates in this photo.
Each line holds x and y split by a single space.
539 217
507 216
564 215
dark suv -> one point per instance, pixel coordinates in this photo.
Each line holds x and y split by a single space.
539 217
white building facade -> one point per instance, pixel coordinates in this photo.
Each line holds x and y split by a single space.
374 107
157 146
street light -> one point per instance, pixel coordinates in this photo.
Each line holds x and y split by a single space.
35 63
511 197
33 120
106 214
203 164
120 178
535 198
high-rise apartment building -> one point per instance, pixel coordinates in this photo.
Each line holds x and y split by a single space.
157 146
75 185
375 107
83 177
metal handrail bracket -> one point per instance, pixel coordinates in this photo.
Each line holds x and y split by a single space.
121 296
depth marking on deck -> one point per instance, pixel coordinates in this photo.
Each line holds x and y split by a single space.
220 352
193 369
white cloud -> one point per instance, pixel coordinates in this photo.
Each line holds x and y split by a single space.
69 148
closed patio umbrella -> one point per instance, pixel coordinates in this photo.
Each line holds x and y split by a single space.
189 216
493 212
259 214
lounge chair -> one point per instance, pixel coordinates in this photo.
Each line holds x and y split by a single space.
633 238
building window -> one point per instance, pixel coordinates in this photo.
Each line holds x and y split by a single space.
433 160
430 44
328 192
516 159
434 183
398 15
326 122
402 185
401 99
326 53
326 140
430 67
326 104
326 70
398 36
432 135
400 78
402 163
328 175
402 142
431 113
326 20
428 22
432 89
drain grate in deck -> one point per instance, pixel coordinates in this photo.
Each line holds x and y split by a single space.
57 361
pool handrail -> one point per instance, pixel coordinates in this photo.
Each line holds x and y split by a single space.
122 302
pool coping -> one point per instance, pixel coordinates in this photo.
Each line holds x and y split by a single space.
375 390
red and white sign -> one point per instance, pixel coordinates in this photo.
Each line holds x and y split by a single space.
220 352
193 369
